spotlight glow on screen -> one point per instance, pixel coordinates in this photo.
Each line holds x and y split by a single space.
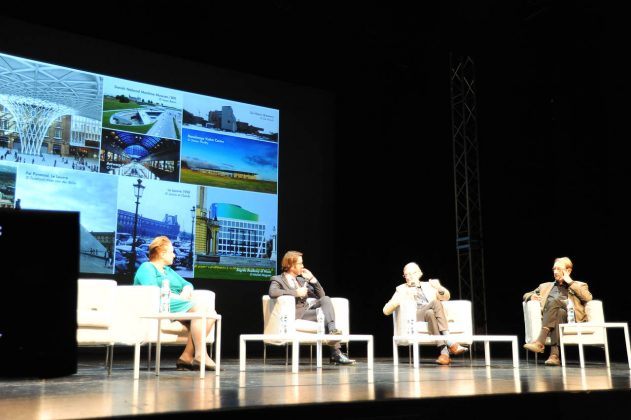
138 161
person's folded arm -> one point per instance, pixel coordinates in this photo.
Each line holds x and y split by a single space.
277 290
392 304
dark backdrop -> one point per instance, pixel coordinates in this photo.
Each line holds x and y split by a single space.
366 174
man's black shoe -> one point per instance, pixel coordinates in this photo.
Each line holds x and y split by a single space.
341 359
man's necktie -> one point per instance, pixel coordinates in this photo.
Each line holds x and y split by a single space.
420 297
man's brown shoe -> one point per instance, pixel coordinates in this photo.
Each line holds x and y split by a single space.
456 349
443 359
535 346
553 360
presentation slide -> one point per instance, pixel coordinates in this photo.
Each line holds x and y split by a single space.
139 161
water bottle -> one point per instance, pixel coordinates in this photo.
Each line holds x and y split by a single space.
165 296
570 311
320 319
283 322
411 322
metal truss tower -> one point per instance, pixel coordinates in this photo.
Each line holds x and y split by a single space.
469 245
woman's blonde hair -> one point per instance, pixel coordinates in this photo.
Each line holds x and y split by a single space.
157 246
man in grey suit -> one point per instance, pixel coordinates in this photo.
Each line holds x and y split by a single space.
299 282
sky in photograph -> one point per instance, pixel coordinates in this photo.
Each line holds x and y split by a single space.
46 188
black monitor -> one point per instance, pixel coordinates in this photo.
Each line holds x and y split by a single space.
38 314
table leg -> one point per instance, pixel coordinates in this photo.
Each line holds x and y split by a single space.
202 346
487 353
606 346
415 355
561 341
395 353
158 349
218 347
580 348
241 354
295 355
515 352
626 341
370 353
319 354
137 360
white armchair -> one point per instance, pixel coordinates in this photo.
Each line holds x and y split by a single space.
272 309
459 319
96 303
589 336
109 315
131 303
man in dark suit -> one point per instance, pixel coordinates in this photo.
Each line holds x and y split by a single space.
299 282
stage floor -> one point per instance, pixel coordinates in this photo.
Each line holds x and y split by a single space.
347 392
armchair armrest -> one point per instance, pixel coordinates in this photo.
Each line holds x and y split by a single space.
204 297
283 304
594 311
405 312
342 316
532 320
459 317
176 331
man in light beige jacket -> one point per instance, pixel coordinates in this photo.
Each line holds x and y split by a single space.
428 296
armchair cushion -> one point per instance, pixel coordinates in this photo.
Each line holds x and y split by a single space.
96 303
593 311
273 308
131 303
177 332
455 327
302 325
458 313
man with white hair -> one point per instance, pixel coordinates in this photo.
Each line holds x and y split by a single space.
428 296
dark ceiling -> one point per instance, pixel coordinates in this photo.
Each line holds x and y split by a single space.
326 43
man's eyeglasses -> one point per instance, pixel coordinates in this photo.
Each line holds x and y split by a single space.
406 275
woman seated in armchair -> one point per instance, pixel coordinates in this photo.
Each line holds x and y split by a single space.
152 273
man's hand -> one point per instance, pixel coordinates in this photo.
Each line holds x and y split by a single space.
302 291
535 296
308 275
435 283
566 277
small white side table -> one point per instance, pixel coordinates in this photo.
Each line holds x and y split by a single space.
296 340
591 325
184 316
417 339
